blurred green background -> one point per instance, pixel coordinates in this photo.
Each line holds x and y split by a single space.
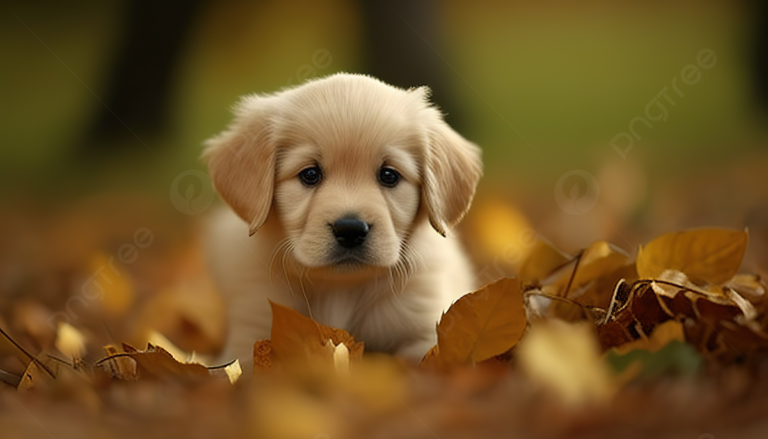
543 87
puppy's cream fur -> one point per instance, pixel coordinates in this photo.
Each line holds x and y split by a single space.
391 291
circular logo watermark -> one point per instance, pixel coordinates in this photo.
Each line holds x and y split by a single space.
580 196
192 192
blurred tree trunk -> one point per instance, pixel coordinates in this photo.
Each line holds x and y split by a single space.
138 88
403 46
760 52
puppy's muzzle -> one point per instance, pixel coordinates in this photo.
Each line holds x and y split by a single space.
350 232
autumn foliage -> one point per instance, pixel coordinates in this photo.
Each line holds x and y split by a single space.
581 329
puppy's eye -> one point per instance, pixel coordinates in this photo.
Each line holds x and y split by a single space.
310 176
388 177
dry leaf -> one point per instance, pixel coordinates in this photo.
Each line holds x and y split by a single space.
122 367
296 338
299 341
566 359
482 324
158 339
115 286
42 370
70 341
748 286
231 371
340 358
709 255
598 260
155 362
339 336
542 259
502 231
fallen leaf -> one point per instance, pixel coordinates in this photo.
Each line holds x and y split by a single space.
70 341
115 286
709 255
749 286
596 261
340 336
340 358
41 371
482 324
231 371
156 362
158 339
296 338
502 231
542 259
565 358
122 367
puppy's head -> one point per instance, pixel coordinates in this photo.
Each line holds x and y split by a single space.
346 164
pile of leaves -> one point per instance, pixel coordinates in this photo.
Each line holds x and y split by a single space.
580 337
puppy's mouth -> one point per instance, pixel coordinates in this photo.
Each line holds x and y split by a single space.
349 262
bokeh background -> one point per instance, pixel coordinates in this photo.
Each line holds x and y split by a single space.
105 105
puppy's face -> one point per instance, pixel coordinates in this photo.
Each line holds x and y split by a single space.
346 163
347 203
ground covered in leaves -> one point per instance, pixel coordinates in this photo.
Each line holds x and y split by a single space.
669 341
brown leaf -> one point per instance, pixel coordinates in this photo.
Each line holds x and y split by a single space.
338 336
119 366
430 355
709 255
40 371
482 324
296 338
154 362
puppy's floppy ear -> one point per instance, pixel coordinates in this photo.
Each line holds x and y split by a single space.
241 161
452 169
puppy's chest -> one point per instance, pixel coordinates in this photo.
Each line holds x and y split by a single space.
344 308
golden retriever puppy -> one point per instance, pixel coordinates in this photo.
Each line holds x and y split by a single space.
347 188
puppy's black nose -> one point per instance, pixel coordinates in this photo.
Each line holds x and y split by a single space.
350 232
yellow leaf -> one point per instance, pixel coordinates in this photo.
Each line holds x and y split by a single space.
115 284
502 231
70 341
597 260
158 339
566 359
340 358
482 324
542 259
709 255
